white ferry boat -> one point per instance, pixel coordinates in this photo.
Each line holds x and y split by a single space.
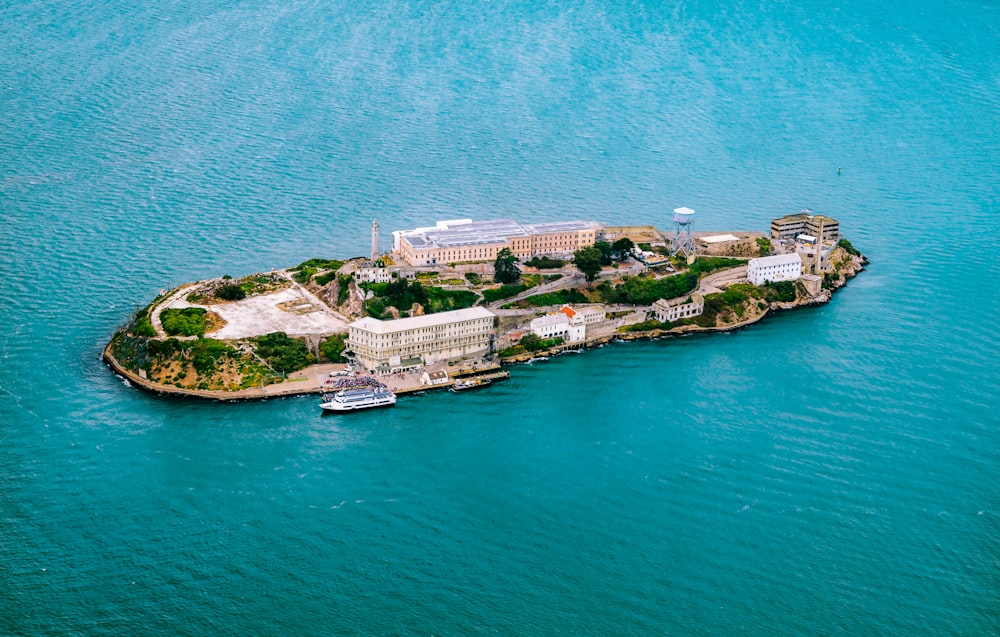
359 398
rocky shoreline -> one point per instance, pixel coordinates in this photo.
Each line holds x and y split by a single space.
311 379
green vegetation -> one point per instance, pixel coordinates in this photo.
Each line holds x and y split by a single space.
850 249
544 263
558 297
333 347
589 260
645 289
621 248
206 354
606 251
503 292
763 246
553 277
322 279
531 343
505 268
783 291
283 354
473 278
189 321
230 292
402 294
706 265
343 287
319 264
305 271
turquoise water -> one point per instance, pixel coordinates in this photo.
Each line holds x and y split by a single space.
828 471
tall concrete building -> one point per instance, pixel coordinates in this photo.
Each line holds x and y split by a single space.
805 222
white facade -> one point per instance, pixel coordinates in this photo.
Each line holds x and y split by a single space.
589 313
432 337
565 324
372 275
465 240
781 267
679 308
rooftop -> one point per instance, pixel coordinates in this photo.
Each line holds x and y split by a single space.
416 322
778 259
464 232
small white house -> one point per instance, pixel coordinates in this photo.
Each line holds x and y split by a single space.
781 267
372 275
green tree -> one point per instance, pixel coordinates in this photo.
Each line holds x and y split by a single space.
588 261
505 268
622 248
606 251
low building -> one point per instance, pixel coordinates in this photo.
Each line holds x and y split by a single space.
781 267
566 324
589 313
431 338
670 310
464 240
372 275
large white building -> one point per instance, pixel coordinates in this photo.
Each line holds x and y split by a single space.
432 337
462 240
781 267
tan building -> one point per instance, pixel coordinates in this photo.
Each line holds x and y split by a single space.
791 226
679 308
434 337
464 240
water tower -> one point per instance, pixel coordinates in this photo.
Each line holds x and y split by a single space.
683 242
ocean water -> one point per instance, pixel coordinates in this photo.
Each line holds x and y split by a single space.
828 471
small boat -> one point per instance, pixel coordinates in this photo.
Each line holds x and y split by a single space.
359 398
463 384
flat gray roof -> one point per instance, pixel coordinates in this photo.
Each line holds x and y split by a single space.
448 234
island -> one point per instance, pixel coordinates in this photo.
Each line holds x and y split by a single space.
464 299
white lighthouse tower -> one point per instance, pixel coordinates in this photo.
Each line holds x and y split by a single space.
375 250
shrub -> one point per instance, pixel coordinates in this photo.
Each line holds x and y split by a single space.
187 322
850 249
206 352
344 287
333 348
230 292
544 263
142 327
318 264
282 353
502 292
644 290
559 297
473 278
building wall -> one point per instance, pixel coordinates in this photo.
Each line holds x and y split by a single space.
549 327
524 247
372 275
674 310
785 267
448 339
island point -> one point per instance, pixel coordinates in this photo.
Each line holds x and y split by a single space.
451 305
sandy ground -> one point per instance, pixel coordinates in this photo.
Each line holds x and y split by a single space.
262 315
